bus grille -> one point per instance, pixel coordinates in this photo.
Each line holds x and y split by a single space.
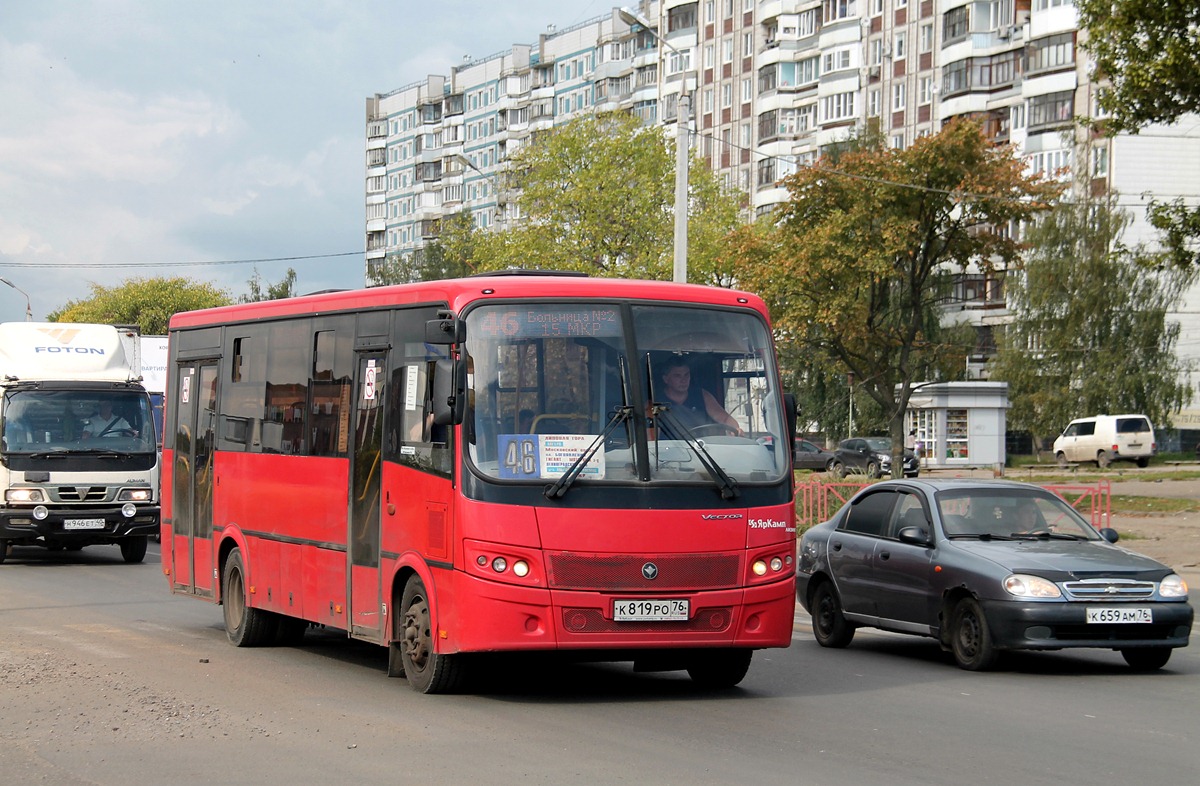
593 621
625 572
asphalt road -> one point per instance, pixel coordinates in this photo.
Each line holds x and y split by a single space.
105 678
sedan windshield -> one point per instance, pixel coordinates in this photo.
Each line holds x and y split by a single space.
604 393
1006 514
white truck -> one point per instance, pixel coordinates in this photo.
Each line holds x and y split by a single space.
78 458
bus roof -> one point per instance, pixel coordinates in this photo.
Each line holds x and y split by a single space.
459 292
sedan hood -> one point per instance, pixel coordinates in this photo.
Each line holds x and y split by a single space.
1061 560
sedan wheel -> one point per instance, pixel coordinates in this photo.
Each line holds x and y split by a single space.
837 469
830 627
970 638
1147 659
873 470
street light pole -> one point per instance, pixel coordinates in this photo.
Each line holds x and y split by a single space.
28 306
469 164
683 119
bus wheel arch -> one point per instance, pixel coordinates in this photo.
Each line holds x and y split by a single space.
414 642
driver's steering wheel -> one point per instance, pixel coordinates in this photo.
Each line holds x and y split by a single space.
714 429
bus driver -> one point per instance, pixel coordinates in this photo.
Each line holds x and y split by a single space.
692 406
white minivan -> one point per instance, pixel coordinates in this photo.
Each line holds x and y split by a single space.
1105 439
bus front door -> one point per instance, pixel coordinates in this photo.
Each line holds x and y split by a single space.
366 466
192 485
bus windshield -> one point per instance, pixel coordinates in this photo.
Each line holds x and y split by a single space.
77 419
557 388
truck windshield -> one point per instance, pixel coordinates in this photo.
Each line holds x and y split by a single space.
44 421
695 386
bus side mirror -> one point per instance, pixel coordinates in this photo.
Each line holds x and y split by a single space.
449 392
789 412
445 330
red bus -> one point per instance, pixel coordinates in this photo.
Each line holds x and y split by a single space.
487 464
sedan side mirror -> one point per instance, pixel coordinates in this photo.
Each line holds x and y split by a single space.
916 536
1109 534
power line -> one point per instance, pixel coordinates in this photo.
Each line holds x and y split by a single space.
209 263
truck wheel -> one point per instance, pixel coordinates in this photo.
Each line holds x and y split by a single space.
427 671
245 626
133 550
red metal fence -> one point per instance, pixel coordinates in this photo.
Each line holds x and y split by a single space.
817 499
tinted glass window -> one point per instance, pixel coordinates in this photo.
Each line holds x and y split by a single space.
1132 425
1087 429
869 515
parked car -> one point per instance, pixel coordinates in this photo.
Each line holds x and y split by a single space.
808 455
1105 439
986 566
872 456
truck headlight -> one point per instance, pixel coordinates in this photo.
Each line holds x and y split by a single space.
135 495
24 495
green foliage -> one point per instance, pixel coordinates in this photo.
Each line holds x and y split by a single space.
862 257
1149 51
148 303
598 197
450 256
1089 333
277 291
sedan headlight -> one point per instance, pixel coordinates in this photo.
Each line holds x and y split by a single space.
1173 586
1031 587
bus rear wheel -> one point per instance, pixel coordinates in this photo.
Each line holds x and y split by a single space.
719 668
427 670
245 626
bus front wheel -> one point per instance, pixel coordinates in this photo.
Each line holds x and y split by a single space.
427 671
719 668
245 626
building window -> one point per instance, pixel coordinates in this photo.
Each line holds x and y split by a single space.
1053 110
836 10
926 37
1056 51
899 96
840 106
954 25
873 103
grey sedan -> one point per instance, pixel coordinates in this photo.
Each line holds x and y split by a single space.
983 567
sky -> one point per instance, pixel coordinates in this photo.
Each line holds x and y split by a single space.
145 138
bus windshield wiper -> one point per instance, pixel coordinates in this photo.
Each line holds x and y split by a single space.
560 486
726 485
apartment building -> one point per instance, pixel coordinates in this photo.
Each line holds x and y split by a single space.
771 82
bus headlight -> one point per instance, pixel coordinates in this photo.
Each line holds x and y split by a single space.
24 495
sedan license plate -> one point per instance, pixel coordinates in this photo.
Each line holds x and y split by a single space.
83 524
1111 615
651 610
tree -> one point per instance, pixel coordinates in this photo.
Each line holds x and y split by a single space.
1149 51
449 256
284 288
148 303
1089 333
598 196
862 257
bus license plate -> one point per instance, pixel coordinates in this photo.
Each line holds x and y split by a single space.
651 610
83 524
1111 615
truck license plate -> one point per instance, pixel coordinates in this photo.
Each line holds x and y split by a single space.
83 524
